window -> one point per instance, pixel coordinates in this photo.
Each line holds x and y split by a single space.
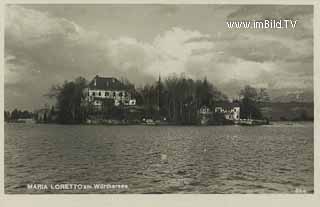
132 102
114 94
120 94
93 93
106 93
99 93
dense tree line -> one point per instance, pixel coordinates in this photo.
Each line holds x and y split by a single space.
178 98
17 114
175 99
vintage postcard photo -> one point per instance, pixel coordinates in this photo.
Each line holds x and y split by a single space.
158 99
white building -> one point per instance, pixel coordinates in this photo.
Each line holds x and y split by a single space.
205 114
204 110
108 88
231 111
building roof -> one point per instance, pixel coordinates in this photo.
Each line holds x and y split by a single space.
106 83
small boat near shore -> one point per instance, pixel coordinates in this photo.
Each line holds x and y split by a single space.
149 122
251 122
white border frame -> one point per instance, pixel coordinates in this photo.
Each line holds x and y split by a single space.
291 200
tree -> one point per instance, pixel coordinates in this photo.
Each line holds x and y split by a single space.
15 114
7 116
263 96
178 98
249 103
45 118
69 97
249 93
25 114
108 108
175 98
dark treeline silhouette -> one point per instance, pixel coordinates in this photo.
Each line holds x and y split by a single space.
68 100
17 114
178 98
175 99
250 98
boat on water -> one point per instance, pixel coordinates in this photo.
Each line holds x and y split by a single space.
251 122
152 122
149 122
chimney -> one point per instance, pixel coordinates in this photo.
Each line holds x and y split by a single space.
95 80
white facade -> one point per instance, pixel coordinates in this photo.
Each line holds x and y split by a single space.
232 113
102 88
236 113
120 96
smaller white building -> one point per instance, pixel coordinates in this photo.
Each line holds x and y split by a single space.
204 114
204 110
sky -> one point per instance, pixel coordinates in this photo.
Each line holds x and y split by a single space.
48 44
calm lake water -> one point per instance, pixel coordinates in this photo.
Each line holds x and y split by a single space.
161 159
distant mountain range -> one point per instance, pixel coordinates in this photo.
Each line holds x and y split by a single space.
295 96
280 95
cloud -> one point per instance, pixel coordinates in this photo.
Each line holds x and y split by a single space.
264 47
165 55
168 10
29 28
269 11
42 50
199 39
